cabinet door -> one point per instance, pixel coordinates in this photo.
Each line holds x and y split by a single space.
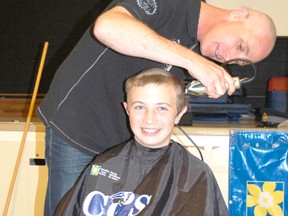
30 185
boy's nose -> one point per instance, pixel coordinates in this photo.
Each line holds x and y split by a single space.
150 117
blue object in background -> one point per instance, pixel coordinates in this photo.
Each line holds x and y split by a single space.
258 173
278 100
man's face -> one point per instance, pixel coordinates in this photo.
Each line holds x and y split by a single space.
152 113
230 40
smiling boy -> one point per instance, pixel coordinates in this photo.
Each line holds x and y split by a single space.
150 174
155 102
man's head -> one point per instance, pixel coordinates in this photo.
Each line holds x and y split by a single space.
243 33
155 102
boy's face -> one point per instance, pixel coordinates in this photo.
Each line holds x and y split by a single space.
152 113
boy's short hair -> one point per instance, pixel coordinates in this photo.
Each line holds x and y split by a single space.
158 76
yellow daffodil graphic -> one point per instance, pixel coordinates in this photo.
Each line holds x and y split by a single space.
265 201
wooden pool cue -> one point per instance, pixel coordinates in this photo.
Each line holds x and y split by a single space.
31 108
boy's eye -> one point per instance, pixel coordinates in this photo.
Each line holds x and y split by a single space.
162 108
139 107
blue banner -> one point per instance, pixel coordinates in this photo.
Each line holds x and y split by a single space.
258 173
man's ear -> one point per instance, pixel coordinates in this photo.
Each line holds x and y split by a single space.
126 107
178 117
239 14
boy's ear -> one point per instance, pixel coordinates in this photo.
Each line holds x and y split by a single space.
178 117
126 107
239 14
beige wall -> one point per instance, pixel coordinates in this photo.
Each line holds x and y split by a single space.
276 9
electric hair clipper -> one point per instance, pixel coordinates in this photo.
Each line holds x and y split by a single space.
196 88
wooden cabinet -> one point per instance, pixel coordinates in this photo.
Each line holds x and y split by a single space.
30 186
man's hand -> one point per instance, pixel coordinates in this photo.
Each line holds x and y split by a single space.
214 77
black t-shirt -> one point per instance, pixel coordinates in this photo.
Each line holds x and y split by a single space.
131 178
84 101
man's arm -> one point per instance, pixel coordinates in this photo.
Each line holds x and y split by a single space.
122 32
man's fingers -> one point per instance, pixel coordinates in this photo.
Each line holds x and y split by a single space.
230 85
213 93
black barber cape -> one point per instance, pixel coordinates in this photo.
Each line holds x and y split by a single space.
130 179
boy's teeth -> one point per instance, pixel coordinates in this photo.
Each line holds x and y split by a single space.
150 130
